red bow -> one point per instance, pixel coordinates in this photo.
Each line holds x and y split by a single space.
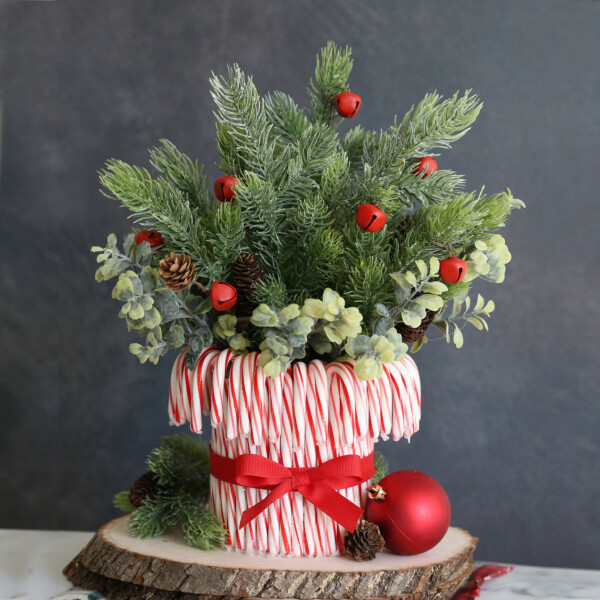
317 484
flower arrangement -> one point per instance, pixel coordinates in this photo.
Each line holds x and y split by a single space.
314 243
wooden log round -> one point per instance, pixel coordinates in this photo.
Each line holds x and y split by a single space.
122 567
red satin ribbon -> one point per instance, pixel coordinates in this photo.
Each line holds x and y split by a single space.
317 484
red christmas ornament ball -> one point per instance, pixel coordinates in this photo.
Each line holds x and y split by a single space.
426 165
347 104
223 296
452 270
370 218
154 238
224 188
414 515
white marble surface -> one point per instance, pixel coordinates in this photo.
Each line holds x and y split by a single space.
31 564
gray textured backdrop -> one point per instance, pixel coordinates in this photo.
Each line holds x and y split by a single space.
510 423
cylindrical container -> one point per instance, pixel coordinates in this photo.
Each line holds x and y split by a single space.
310 415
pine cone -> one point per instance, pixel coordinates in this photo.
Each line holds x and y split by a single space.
246 273
177 271
144 487
364 543
414 334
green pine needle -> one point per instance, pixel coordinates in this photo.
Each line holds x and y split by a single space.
381 467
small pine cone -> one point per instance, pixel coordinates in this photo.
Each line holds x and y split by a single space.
414 334
177 271
144 487
364 542
246 273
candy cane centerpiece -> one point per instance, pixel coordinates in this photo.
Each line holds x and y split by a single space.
274 440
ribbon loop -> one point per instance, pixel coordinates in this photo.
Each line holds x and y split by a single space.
317 484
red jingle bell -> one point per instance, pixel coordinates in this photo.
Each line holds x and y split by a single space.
426 165
224 188
154 238
452 270
223 296
414 515
370 218
347 104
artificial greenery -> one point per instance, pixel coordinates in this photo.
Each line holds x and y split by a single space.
330 288
180 465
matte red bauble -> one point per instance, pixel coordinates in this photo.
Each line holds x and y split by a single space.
222 295
370 218
224 188
347 104
452 270
154 238
426 165
414 515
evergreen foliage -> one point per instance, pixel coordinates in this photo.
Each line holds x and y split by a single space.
299 185
181 466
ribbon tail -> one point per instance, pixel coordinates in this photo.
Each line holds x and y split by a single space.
340 509
253 511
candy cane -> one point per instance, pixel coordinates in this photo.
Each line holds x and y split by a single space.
233 396
186 389
173 393
328 527
299 425
346 400
218 387
275 387
385 402
313 538
288 541
411 403
246 539
200 387
317 395
247 373
257 406
373 389
399 400
299 376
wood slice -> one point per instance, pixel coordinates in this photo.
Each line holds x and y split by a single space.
123 567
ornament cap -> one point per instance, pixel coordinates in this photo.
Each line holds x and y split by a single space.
376 492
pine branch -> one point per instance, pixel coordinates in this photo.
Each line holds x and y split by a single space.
182 461
288 120
437 123
245 136
331 78
179 170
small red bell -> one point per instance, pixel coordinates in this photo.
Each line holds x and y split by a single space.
452 270
370 218
426 165
347 104
224 188
153 237
223 296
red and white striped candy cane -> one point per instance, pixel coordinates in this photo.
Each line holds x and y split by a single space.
218 387
361 414
399 401
345 399
329 529
385 402
186 389
288 541
299 376
247 373
258 414
373 390
313 538
200 387
233 383
275 387
412 408
173 393
317 397
274 509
